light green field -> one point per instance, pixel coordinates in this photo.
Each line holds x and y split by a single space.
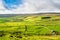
30 27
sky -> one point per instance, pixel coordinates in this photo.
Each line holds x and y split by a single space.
11 4
28 6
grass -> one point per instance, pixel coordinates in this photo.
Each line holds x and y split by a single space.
30 27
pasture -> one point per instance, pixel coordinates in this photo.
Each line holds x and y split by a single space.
30 27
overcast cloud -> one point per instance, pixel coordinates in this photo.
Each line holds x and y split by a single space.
31 6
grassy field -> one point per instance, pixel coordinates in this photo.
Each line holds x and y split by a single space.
30 27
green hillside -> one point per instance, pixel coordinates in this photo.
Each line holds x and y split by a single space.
30 27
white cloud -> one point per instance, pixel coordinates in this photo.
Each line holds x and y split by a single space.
30 6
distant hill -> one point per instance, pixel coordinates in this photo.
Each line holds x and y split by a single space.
12 15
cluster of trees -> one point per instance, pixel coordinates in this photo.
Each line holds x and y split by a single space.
46 17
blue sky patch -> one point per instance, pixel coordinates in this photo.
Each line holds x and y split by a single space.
12 4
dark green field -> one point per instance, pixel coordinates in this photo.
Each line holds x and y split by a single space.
30 26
